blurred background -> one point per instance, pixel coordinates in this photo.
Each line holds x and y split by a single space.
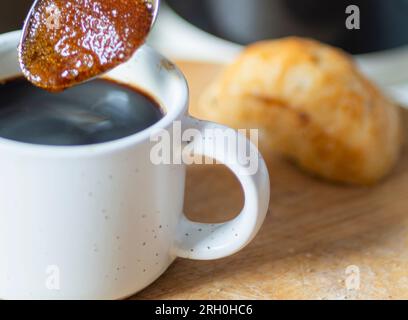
246 21
215 30
385 23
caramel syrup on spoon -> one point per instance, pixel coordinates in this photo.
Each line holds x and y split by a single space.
66 42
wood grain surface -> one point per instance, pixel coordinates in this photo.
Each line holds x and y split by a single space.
314 233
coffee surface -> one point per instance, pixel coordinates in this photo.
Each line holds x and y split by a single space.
69 41
94 112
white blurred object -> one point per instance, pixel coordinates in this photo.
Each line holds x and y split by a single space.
399 93
389 69
178 39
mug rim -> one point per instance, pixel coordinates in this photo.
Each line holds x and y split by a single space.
109 146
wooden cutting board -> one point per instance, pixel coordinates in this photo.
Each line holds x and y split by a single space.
315 233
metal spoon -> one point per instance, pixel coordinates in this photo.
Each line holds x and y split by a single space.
153 4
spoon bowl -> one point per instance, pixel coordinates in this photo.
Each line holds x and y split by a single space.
153 6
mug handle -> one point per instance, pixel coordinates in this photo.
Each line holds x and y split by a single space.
202 241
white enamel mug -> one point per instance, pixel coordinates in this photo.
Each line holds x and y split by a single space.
102 221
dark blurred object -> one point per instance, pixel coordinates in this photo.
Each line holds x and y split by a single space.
13 13
384 23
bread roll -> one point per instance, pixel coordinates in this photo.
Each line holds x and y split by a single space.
312 105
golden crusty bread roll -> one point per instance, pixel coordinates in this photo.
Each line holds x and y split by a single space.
311 105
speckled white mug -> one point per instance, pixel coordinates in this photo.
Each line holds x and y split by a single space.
101 221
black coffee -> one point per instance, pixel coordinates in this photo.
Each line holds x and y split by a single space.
93 112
